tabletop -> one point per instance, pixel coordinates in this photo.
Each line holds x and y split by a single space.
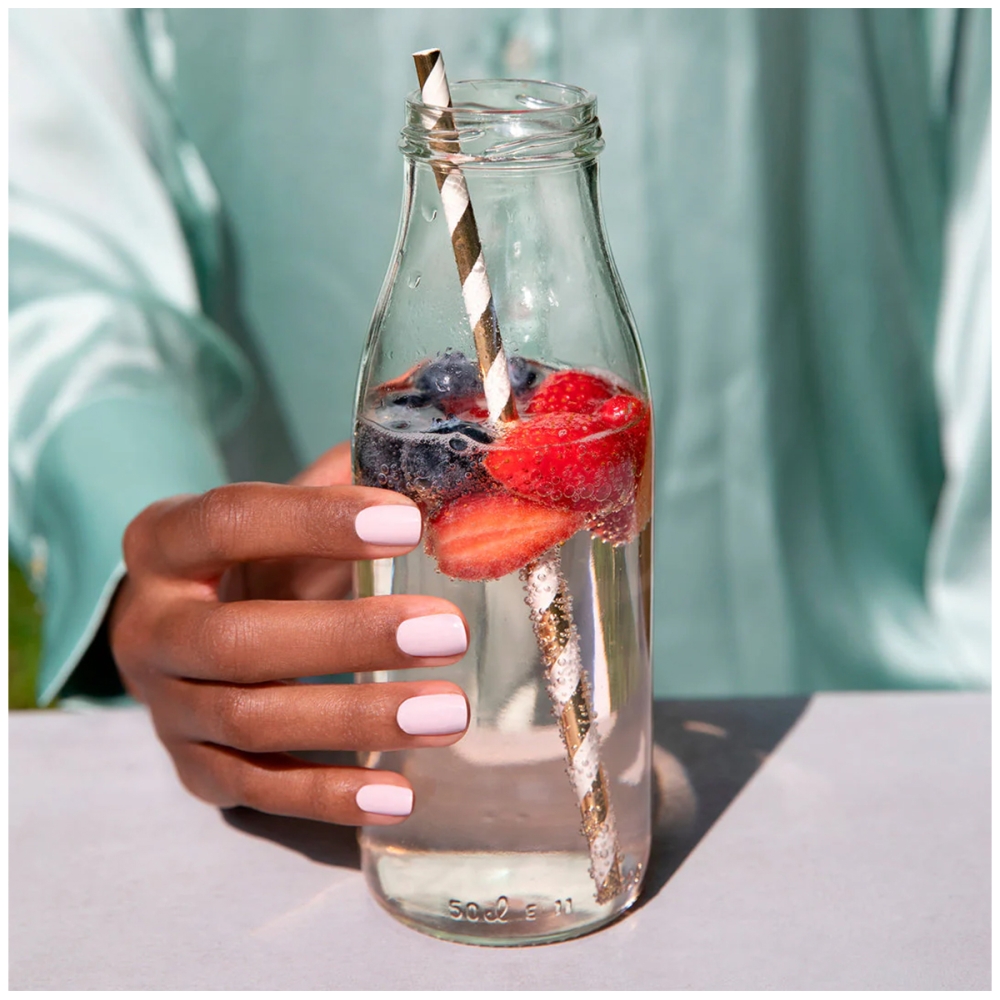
837 842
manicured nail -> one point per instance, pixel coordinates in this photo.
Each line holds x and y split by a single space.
385 800
433 715
388 524
432 635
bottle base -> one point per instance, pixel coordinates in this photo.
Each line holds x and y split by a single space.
493 899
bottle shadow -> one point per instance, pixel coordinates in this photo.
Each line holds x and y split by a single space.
705 752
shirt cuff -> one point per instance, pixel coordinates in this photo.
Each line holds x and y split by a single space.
102 465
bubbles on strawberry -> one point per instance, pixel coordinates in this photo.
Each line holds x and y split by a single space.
577 451
571 391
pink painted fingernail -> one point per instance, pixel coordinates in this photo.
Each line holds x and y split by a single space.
388 524
385 800
433 715
432 635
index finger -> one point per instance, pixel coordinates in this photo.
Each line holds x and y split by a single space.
203 535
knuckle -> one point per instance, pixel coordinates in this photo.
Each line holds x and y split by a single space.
199 775
141 538
238 719
222 515
226 638
137 541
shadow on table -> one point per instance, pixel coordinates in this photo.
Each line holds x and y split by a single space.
705 753
322 842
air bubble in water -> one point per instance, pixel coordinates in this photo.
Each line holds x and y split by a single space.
415 280
430 214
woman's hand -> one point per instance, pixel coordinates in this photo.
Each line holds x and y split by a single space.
227 602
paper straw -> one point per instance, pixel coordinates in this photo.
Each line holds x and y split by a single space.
547 592
465 243
569 691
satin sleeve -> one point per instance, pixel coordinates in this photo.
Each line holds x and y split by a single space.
120 386
959 554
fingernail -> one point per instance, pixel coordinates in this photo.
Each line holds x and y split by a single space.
433 715
388 524
385 800
432 635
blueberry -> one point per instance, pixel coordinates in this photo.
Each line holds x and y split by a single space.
379 457
476 432
524 374
409 400
449 374
409 411
429 469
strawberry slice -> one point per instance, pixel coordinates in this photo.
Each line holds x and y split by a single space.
574 460
570 392
485 536
622 526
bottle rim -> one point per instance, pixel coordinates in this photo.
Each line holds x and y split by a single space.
496 121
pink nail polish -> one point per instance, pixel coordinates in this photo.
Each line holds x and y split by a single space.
388 524
432 635
385 800
433 715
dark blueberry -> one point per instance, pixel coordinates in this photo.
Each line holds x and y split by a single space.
524 374
449 374
379 457
411 400
452 424
407 412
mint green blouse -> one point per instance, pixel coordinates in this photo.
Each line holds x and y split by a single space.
202 209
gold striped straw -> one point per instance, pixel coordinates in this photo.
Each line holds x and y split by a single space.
476 292
547 592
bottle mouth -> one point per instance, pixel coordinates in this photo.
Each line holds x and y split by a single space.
504 121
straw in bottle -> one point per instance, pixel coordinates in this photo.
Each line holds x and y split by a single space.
547 592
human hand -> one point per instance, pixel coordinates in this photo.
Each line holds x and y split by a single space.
226 603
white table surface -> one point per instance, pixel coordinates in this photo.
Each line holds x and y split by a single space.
856 856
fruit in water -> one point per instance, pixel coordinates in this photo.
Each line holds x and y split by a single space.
449 375
452 380
524 374
570 392
568 460
486 536
431 462
578 452
621 526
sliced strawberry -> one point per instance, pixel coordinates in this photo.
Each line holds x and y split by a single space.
570 392
486 536
567 460
622 526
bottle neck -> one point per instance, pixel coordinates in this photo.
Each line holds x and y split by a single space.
505 124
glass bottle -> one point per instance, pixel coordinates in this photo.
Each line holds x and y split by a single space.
535 826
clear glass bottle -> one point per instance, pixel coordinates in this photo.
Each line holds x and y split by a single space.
536 825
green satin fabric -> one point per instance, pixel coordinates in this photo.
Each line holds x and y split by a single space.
798 204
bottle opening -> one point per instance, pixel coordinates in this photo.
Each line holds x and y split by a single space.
501 121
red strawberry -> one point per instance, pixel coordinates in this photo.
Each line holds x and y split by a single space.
570 392
567 460
486 536
621 526
632 415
